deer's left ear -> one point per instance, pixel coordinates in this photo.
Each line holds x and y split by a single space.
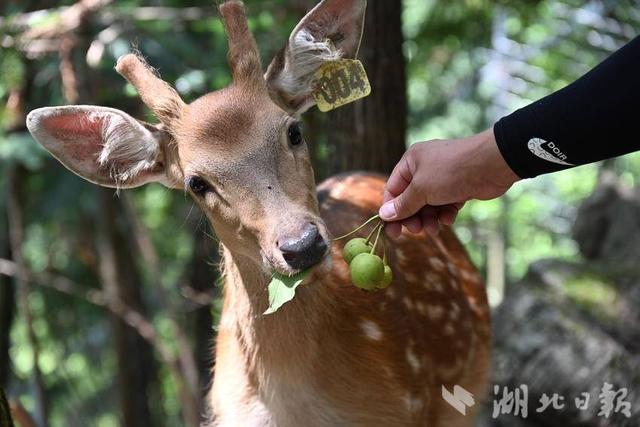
102 145
331 31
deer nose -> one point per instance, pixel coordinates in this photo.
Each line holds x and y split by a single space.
305 250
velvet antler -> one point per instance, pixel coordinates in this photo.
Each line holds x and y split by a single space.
244 57
163 100
157 94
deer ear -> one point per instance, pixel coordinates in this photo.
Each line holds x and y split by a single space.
102 145
331 31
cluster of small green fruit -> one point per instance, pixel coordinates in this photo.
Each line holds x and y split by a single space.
368 270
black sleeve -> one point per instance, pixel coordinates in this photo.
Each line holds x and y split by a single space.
594 118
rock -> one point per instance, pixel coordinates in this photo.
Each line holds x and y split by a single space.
607 226
548 338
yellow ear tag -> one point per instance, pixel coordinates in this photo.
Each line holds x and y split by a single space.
338 83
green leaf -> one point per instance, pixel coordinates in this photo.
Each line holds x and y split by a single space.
282 289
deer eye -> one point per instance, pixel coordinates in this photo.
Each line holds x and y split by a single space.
198 185
295 134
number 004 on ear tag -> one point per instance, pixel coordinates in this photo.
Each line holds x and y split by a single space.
338 83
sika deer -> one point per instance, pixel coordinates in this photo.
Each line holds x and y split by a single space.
335 356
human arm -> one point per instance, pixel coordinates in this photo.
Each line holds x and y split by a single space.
594 118
434 179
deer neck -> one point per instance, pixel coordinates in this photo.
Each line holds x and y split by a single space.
284 342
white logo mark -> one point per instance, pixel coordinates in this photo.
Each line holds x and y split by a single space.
459 400
535 146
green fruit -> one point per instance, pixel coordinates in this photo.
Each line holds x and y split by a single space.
387 279
367 270
355 247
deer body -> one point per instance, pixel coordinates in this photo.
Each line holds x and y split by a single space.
339 356
335 356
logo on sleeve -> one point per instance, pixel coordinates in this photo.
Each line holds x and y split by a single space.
548 151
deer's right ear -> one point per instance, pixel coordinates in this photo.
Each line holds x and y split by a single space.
102 145
331 31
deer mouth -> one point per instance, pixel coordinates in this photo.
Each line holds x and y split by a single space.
274 265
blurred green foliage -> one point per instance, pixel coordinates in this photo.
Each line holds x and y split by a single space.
470 62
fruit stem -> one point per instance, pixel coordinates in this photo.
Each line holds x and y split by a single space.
384 253
373 231
375 242
373 218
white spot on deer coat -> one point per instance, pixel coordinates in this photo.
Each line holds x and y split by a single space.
402 256
411 278
413 360
448 330
453 269
469 276
437 264
454 312
435 312
371 330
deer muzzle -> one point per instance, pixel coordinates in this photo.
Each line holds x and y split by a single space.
304 250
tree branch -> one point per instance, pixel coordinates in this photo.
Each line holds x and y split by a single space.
69 21
96 297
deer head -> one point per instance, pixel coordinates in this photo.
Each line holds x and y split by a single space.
239 151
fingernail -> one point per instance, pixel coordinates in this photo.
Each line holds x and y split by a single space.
388 211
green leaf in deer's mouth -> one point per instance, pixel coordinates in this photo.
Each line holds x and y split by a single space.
282 289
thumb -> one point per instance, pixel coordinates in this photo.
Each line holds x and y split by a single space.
408 203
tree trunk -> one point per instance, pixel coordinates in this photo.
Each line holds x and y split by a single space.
5 412
122 283
370 134
7 308
202 277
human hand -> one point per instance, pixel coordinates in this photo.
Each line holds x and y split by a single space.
434 179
